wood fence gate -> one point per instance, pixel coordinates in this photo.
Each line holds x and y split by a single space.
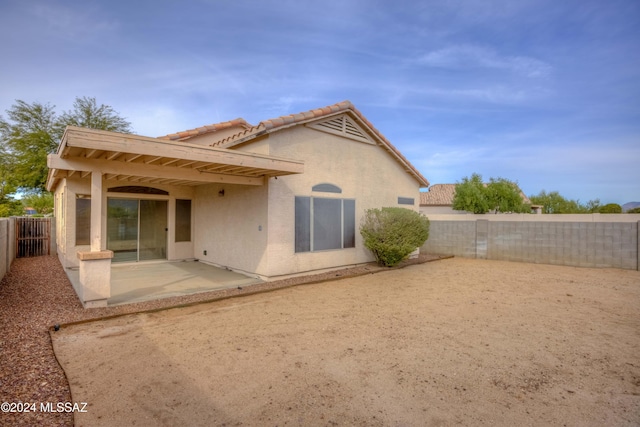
32 237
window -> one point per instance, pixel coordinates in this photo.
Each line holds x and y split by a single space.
83 220
322 224
326 188
406 201
183 220
137 189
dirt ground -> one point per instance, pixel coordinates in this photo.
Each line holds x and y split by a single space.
453 342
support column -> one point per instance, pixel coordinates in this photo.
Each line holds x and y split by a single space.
95 265
96 212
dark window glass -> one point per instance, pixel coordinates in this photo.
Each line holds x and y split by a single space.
303 224
183 220
322 224
406 201
137 189
83 221
349 223
327 227
326 188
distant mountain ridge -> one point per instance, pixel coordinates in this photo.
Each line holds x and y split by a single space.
629 206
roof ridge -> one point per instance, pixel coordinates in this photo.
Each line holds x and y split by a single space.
316 113
214 127
288 119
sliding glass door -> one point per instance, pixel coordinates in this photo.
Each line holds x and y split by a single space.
137 229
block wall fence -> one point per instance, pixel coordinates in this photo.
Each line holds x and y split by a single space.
591 240
7 244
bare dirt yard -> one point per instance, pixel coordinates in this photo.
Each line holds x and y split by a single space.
453 342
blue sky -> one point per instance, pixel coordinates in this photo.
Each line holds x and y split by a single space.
542 92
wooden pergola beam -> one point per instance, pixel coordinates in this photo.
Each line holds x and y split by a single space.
147 171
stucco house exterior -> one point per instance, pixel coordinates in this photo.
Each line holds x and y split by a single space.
280 198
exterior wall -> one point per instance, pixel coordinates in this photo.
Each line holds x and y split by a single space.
232 228
577 240
65 224
364 172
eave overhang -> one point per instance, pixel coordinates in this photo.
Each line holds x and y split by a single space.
140 159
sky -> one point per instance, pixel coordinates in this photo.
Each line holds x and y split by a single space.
542 92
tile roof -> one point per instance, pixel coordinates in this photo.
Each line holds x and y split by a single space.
187 134
438 195
283 122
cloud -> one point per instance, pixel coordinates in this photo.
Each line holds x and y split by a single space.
470 56
71 23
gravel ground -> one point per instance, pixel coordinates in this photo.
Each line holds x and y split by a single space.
36 294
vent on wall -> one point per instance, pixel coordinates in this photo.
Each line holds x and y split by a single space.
344 126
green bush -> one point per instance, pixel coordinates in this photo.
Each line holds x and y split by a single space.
611 208
391 234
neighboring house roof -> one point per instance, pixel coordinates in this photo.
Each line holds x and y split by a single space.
438 195
240 123
442 195
249 133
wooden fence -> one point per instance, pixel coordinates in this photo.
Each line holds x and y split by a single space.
33 237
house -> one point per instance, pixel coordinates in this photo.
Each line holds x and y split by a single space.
280 198
439 200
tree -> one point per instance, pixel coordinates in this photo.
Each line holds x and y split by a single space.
505 196
471 195
611 208
391 234
87 113
500 195
33 131
26 140
634 210
593 206
10 207
554 203
41 202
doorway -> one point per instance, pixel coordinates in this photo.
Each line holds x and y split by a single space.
137 229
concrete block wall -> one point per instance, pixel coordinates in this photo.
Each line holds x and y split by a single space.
452 238
581 242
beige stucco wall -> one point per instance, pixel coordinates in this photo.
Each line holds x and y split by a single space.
232 228
252 229
364 172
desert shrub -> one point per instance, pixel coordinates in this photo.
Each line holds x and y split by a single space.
391 234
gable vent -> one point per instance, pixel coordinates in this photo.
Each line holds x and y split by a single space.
343 126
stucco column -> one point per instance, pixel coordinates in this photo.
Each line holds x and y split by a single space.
96 211
95 265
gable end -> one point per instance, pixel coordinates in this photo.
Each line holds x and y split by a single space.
344 126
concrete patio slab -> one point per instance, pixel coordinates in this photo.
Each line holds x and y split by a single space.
154 280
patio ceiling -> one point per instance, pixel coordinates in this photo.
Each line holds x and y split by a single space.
145 160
